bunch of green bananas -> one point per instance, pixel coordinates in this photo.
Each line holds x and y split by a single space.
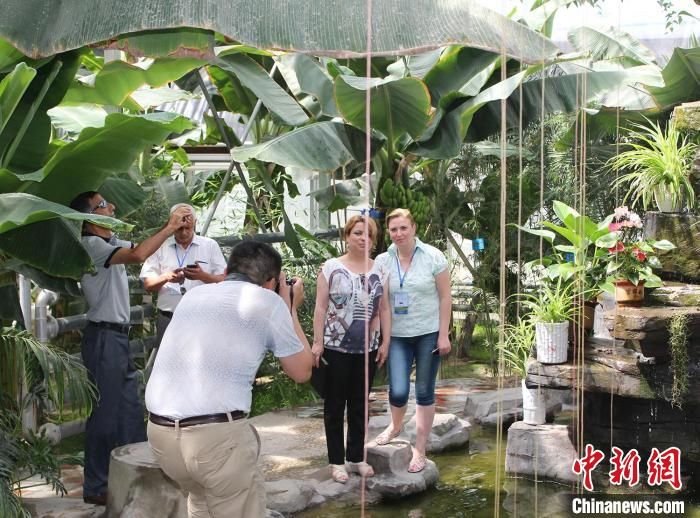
395 196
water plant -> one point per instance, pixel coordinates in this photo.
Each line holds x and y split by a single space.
678 342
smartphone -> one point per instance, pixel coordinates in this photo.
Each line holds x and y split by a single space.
191 265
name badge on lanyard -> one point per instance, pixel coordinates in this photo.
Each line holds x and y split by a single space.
401 303
401 298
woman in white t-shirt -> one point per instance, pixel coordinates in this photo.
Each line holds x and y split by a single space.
350 303
420 303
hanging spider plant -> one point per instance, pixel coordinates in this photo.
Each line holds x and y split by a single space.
657 167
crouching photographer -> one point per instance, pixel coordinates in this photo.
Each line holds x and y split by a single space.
200 391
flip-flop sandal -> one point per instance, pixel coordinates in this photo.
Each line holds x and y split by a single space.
364 469
387 436
338 473
418 463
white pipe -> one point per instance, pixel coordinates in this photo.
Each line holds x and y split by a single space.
25 299
45 327
55 433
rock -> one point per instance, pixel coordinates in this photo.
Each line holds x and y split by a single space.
687 116
642 424
269 513
397 485
545 450
391 458
483 406
675 294
138 488
62 508
289 496
645 329
448 432
683 230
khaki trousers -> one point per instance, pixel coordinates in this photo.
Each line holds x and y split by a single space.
216 464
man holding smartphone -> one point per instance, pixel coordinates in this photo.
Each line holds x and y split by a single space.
182 263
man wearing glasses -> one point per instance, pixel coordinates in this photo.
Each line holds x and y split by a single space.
185 261
117 417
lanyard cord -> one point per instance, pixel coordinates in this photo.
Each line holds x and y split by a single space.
398 266
177 256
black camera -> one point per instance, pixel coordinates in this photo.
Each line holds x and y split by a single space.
288 281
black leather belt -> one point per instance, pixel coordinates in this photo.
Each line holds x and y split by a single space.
121 328
168 314
198 419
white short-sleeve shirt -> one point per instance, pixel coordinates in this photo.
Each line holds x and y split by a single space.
423 315
212 349
171 256
107 290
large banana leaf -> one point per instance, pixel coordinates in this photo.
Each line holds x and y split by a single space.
338 196
256 78
311 78
192 43
125 194
611 44
74 119
118 80
86 163
320 27
12 88
46 235
461 69
324 146
9 56
29 127
563 93
566 93
397 106
417 65
682 79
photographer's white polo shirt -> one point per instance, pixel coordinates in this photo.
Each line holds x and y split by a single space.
213 347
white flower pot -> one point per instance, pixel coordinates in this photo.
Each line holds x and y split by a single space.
534 406
664 201
552 340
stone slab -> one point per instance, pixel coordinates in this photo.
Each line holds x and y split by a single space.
649 324
676 294
683 230
545 451
484 407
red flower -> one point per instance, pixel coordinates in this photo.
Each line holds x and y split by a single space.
641 256
619 247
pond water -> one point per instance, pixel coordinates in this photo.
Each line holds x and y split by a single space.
467 484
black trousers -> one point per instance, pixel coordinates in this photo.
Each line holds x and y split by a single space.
345 387
117 418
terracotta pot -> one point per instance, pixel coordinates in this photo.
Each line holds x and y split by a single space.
627 294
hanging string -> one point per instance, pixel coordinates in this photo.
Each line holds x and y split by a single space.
368 153
501 295
617 203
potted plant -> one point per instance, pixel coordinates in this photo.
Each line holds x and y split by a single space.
551 308
577 259
630 259
657 167
517 348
